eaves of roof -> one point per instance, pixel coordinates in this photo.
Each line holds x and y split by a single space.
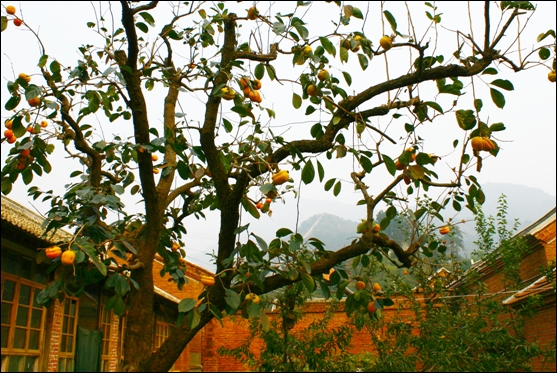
28 221
539 287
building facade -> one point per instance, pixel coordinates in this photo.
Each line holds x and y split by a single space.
72 333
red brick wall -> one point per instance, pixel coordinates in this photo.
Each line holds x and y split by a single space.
191 290
236 331
55 337
541 328
114 342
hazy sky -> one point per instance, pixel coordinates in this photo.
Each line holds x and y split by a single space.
528 154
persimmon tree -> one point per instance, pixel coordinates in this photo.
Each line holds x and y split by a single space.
221 155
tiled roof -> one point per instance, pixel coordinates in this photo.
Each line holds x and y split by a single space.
27 220
540 286
484 267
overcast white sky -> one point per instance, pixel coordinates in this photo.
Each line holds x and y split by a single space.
528 155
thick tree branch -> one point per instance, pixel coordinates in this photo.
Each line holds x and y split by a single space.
142 8
186 188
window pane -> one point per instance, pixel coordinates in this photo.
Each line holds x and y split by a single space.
21 318
36 316
8 291
34 340
70 344
35 295
61 365
70 328
31 364
19 338
6 312
63 344
13 365
5 332
72 307
65 325
24 294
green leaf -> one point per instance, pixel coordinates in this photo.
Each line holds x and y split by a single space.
227 125
347 77
497 127
310 109
148 18
328 46
490 71
434 106
498 98
282 232
308 172
250 207
308 282
391 212
329 184
363 61
27 175
466 119
121 286
296 101
478 104
357 13
546 34
43 60
142 26
391 20
193 318
320 171
337 188
232 298
366 163
390 164
270 71
243 112
544 53
343 54
261 242
480 197
259 71
4 22
526 5
12 102
503 83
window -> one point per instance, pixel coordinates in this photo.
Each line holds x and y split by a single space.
106 317
106 328
22 318
66 355
162 331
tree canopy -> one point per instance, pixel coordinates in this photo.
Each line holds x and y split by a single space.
177 106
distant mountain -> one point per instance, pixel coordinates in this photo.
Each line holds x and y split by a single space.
335 232
525 203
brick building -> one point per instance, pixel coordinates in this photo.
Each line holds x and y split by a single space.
39 339
540 252
35 338
539 238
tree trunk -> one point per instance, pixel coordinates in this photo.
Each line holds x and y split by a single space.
139 316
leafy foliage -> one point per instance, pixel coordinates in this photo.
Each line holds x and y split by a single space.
219 156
